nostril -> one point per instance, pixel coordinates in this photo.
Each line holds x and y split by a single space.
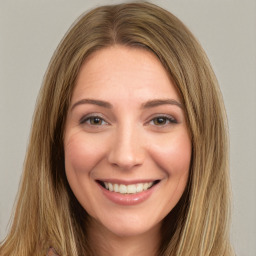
125 162
125 159
126 152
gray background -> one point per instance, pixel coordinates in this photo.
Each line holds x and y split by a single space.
29 33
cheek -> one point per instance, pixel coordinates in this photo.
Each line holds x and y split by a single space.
78 163
81 155
173 154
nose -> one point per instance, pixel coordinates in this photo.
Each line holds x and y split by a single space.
126 149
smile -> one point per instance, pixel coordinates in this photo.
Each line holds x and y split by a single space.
127 189
127 193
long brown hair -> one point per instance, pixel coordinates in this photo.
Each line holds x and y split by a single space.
47 213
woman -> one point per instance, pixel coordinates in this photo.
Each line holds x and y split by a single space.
128 151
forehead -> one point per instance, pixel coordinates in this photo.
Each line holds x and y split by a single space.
123 70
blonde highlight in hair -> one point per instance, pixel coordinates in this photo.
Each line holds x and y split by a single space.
48 214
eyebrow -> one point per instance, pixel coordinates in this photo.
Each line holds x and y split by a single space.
148 104
100 103
159 102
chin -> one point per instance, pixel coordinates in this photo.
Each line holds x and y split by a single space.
128 226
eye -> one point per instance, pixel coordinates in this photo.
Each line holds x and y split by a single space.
163 120
93 120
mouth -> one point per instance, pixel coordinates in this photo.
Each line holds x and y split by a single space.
127 189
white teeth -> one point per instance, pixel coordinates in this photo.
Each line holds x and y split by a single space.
106 185
122 189
128 189
110 187
116 188
131 189
145 186
139 187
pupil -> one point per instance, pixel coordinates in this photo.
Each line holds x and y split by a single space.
96 120
160 120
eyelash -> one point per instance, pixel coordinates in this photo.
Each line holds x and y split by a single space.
89 118
164 118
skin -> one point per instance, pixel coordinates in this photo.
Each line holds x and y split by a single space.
134 135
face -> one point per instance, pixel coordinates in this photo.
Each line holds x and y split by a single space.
127 147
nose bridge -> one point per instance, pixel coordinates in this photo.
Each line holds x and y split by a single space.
127 147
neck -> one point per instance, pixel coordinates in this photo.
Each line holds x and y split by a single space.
104 242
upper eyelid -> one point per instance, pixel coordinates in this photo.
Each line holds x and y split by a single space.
149 119
162 115
85 117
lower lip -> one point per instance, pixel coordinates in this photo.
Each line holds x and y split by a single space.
128 199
